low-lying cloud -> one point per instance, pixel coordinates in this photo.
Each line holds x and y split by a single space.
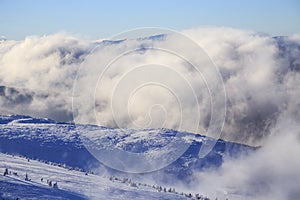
271 172
260 75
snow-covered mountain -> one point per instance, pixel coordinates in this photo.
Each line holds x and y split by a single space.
47 141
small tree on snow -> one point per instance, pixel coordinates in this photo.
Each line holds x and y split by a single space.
5 172
26 177
55 185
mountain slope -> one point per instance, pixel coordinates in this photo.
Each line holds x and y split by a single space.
60 144
71 184
44 139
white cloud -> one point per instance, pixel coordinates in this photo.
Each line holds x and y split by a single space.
260 80
271 172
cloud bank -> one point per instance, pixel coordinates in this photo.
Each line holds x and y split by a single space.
272 172
260 75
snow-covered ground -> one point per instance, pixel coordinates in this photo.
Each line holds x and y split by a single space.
57 154
71 184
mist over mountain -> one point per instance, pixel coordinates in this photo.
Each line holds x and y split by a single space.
260 75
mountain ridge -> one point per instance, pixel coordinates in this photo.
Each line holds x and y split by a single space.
44 139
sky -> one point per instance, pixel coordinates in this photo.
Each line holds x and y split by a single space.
102 19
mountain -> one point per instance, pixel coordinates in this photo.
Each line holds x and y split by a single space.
46 141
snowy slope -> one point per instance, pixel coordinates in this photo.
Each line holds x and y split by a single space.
60 143
71 184
46 141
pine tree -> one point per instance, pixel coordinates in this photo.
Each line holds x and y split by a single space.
55 185
26 177
5 172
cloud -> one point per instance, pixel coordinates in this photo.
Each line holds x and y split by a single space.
260 75
44 68
271 172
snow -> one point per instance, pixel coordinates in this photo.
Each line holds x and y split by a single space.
72 184
44 141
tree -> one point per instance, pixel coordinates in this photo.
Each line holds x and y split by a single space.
5 172
26 177
55 185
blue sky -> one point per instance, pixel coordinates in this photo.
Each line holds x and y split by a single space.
99 19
